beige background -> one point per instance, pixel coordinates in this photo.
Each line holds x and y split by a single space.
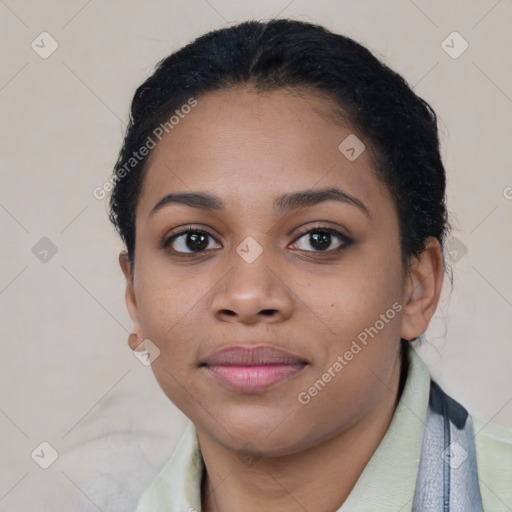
68 377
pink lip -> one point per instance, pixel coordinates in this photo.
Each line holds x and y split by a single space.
254 369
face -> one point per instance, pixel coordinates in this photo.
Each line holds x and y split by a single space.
313 278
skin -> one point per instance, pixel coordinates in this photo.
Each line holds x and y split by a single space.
248 148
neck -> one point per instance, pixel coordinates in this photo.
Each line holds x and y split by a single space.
319 478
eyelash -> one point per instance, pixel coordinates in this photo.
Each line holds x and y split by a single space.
344 239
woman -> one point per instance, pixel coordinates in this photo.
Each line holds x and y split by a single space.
282 200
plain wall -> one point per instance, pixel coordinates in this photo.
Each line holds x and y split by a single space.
68 376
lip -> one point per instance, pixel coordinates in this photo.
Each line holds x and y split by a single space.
252 369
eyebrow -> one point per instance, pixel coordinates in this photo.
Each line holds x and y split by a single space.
283 203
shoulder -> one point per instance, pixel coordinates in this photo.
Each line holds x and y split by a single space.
494 458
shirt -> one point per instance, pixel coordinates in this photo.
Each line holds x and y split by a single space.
388 481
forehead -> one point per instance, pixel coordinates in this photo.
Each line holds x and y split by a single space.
252 145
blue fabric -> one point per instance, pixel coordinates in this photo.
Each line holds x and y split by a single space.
448 476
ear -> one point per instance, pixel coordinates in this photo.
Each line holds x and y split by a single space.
135 339
422 291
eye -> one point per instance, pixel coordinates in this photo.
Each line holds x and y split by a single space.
321 239
190 241
196 241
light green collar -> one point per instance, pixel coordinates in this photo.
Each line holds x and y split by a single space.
388 481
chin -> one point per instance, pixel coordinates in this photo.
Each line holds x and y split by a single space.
264 435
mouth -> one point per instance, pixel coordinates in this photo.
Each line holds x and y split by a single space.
252 370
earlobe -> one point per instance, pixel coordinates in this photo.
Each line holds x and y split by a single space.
423 289
135 342
131 301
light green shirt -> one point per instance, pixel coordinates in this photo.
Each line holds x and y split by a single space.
389 479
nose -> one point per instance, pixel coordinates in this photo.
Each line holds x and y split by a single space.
252 292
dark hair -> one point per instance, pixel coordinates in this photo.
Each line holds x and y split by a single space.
401 127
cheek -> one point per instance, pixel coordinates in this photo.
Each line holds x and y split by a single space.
168 317
355 296
168 297
168 320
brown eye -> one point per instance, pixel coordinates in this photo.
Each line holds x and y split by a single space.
320 239
189 242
